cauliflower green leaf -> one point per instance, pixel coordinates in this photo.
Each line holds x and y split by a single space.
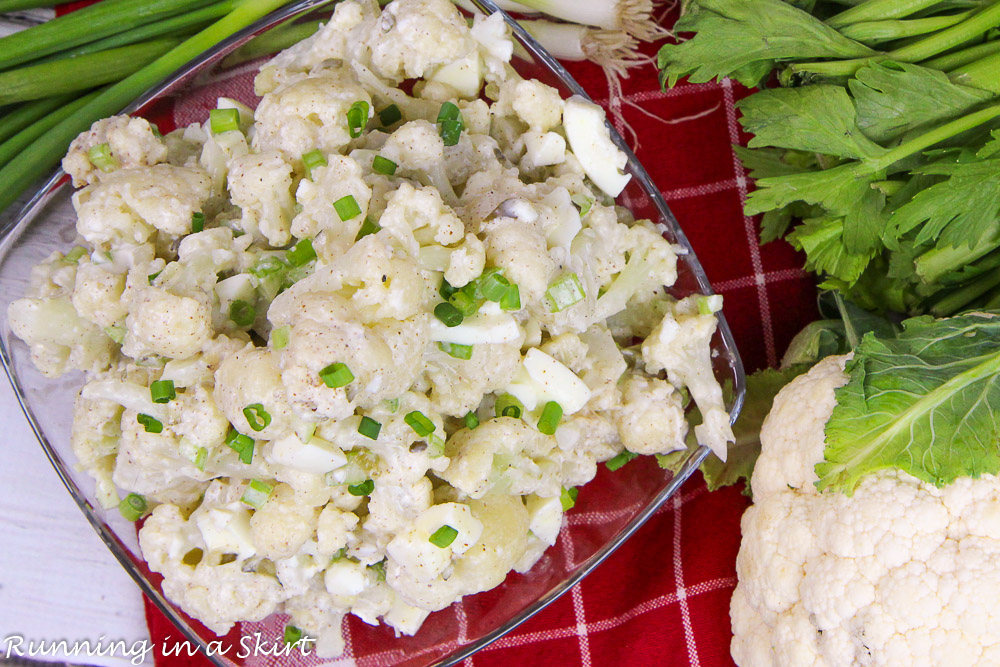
926 402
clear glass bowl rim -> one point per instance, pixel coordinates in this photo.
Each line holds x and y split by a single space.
9 224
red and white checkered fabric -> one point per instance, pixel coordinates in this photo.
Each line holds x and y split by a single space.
663 597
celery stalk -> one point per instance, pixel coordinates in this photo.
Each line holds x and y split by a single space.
983 74
878 10
950 61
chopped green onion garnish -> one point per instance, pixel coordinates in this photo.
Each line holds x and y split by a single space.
420 423
443 536
347 207
450 123
224 120
133 507
466 301
162 391
621 459
268 265
100 156
257 417
280 337
339 554
256 494
449 111
493 285
583 202
448 314
293 635
511 299
116 334
242 313
197 222
508 406
151 424
199 458
446 290
357 118
152 276
313 160
392 404
551 416
369 226
456 350
301 253
241 444
564 292
436 444
567 497
75 254
336 375
385 166
471 420
362 489
389 115
369 428
379 570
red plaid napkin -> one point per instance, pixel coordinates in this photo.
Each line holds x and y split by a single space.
663 597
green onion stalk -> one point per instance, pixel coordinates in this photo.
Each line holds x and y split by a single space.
46 152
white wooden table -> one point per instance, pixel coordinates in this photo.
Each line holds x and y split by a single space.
57 579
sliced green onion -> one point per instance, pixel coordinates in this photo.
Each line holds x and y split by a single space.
443 536
152 276
268 265
384 166
313 160
448 314
241 444
242 313
446 290
379 570
280 337
293 635
369 226
567 497
224 120
197 222
257 417
100 156
74 255
564 292
583 202
199 458
336 375
471 420
420 423
621 459
347 207
511 299
493 285
339 554
357 118
116 334
369 428
162 391
508 406
456 350
551 416
392 404
449 111
436 444
133 507
466 300
151 424
389 115
450 123
362 489
256 494
301 254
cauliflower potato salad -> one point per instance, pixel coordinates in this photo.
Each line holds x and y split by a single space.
353 351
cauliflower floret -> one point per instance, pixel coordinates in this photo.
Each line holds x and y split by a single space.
282 525
308 114
95 437
151 464
538 105
501 449
261 185
341 178
392 506
252 377
194 416
651 265
420 212
458 385
335 530
128 205
520 250
681 345
97 295
132 142
466 262
416 35
651 418
321 616
165 324
58 337
418 151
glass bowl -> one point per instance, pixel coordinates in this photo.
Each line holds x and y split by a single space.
609 510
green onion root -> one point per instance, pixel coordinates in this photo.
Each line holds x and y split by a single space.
632 16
